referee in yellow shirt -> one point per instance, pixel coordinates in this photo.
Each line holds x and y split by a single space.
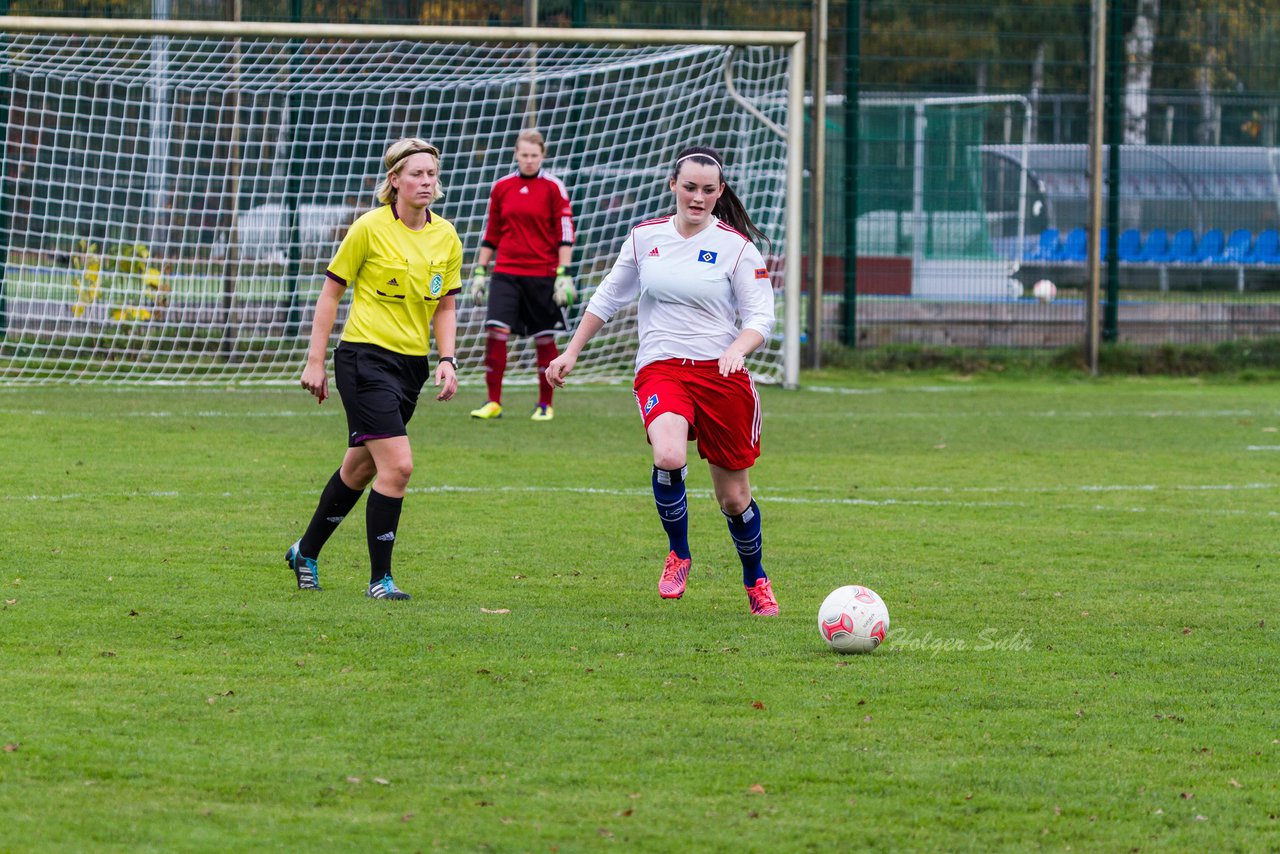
403 264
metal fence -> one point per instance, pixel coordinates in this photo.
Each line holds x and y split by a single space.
962 207
971 175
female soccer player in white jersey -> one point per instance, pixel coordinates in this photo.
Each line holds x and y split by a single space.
695 272
404 265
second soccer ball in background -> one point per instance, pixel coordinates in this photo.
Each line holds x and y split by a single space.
1044 290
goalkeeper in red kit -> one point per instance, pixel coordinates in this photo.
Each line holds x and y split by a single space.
529 288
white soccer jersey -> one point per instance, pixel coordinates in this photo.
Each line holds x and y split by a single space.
693 292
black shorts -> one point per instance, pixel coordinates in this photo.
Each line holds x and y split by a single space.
524 304
379 389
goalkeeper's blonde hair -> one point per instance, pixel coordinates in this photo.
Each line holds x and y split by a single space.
393 161
533 136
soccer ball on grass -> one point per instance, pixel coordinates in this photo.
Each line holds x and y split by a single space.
853 619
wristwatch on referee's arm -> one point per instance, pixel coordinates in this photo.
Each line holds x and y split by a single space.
451 360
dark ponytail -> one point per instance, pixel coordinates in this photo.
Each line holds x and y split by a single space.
729 207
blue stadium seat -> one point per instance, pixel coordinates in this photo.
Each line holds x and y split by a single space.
1130 246
1212 245
1047 249
1267 250
1157 246
1182 249
1239 247
1076 245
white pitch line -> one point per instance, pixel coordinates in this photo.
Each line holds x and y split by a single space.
642 493
925 389
764 493
769 414
283 413
1046 414
616 493
1039 490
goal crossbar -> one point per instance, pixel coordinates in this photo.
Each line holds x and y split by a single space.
398 32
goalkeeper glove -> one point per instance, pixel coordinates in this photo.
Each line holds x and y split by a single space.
479 285
565 293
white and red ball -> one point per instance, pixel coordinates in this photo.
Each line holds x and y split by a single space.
1044 290
853 619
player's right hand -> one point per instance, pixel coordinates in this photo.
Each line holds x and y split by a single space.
315 379
479 285
559 369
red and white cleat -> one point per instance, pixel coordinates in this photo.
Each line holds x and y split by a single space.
674 575
761 598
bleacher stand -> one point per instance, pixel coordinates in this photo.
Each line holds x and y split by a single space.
1239 248
1212 246
1130 246
1076 245
1182 249
1157 246
1048 248
1267 250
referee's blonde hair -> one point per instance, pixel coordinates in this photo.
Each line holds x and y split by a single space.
393 161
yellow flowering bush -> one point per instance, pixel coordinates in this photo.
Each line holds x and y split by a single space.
128 279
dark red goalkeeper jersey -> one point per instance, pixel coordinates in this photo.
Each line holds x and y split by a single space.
529 220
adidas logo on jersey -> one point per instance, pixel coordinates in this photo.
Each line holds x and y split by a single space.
524 191
653 253
392 282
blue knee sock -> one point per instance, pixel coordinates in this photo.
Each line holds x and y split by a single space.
745 530
673 507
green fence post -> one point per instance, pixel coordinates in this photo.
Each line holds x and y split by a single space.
6 77
293 185
852 73
1114 135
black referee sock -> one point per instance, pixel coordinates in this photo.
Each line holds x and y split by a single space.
381 518
336 502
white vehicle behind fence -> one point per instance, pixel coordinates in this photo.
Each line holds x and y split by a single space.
263 231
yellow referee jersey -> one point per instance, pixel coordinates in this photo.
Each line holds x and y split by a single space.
400 276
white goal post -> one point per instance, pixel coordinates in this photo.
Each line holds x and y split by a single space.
171 191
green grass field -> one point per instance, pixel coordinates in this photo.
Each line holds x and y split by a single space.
1081 576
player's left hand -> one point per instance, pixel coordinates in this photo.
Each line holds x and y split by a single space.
565 293
446 381
731 361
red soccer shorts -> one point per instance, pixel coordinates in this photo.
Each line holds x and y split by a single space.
723 412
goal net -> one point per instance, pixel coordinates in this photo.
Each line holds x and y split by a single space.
169 203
